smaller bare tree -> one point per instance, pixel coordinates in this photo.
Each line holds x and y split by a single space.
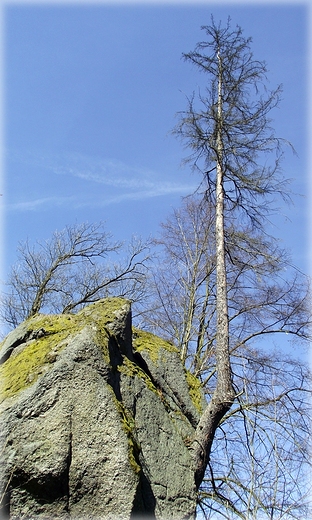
259 465
68 271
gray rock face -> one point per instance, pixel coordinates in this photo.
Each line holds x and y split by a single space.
95 422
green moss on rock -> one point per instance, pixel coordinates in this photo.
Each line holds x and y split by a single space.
147 341
131 369
195 391
33 358
24 367
103 311
128 425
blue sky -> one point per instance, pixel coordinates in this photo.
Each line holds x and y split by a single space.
90 97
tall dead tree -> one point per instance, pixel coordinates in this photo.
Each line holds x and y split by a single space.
228 131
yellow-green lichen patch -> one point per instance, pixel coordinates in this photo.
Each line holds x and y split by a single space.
23 368
131 369
104 311
99 315
128 425
143 340
25 364
195 391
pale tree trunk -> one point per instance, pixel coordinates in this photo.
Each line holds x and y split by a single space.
188 320
201 332
223 396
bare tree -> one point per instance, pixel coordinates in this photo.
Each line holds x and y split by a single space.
68 271
260 464
228 130
264 436
266 294
183 278
227 286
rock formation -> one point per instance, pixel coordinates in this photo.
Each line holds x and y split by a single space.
96 419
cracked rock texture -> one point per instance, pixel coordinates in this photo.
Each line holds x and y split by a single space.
96 419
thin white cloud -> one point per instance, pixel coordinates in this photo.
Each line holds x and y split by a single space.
114 173
130 182
138 195
36 204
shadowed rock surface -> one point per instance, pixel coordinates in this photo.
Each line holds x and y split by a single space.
96 419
